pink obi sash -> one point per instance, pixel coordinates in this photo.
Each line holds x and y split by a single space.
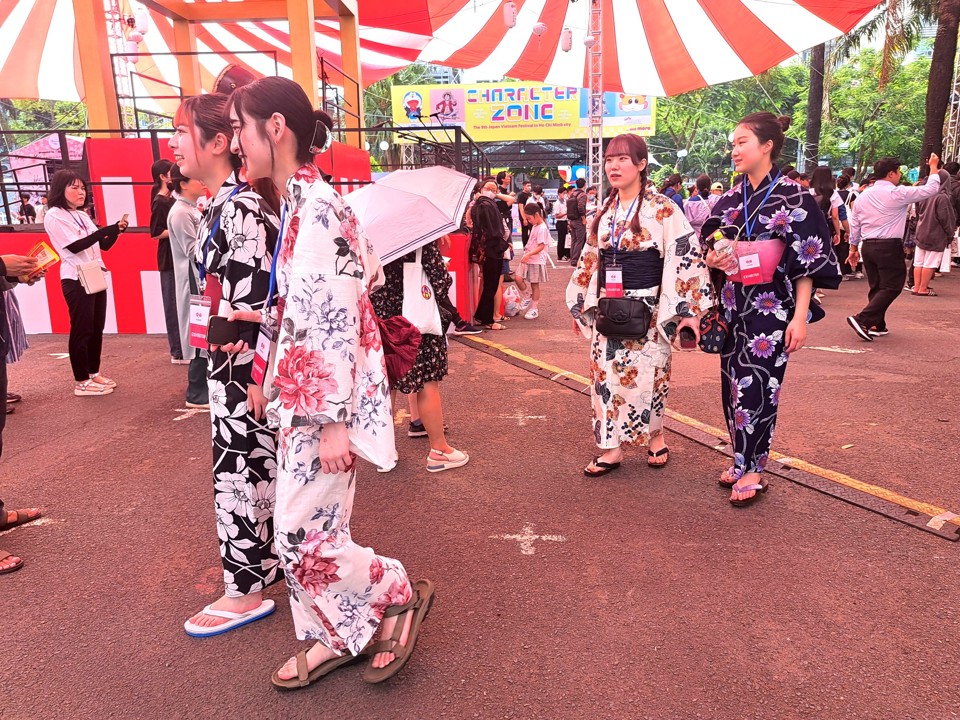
769 252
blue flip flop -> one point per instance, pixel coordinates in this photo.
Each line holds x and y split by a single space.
235 620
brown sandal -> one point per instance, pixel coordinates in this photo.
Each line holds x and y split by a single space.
306 677
23 517
3 556
419 605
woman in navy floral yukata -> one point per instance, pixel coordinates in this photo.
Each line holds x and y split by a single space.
769 307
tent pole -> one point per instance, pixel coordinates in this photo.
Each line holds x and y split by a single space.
350 52
188 66
595 65
96 66
303 47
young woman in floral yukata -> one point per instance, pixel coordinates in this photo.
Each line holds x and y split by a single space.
658 249
328 395
768 320
235 239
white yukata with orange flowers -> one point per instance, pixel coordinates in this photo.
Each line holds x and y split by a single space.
329 367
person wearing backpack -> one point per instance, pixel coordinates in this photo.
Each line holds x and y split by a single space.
577 220
698 207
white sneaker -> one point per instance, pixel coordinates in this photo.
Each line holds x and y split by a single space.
525 303
533 314
90 389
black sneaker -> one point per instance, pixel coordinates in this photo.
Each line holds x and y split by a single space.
859 329
466 328
416 429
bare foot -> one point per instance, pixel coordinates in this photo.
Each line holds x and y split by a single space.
316 655
11 517
656 444
242 604
614 455
9 562
381 660
747 479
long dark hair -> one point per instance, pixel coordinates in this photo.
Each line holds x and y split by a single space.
634 147
674 179
823 185
160 167
61 180
768 127
262 98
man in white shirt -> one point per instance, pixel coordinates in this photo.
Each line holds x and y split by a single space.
877 224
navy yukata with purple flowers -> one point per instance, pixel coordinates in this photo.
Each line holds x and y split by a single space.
753 361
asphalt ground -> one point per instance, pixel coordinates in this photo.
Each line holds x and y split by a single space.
651 597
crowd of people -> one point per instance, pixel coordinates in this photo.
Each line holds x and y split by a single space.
302 373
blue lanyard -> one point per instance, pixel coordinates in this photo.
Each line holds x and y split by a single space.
747 224
276 254
614 235
213 231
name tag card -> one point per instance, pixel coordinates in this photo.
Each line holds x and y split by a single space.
199 315
613 281
267 345
750 272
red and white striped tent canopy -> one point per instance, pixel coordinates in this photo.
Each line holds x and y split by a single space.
655 47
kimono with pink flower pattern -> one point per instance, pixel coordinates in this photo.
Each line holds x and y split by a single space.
630 378
328 368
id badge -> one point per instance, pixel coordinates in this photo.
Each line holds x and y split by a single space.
199 315
750 272
266 345
613 281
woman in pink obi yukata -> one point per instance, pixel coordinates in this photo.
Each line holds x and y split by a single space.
327 393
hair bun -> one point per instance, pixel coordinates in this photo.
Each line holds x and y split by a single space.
784 121
324 118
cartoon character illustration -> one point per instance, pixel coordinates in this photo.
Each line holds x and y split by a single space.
633 103
447 107
413 105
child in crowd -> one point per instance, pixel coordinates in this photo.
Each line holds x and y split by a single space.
533 263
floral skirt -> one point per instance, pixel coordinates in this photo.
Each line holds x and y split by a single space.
430 365
338 589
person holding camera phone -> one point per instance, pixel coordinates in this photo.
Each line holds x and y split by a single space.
330 398
641 262
79 242
235 242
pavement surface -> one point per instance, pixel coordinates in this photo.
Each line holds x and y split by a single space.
643 595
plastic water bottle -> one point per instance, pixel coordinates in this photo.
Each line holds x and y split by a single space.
724 248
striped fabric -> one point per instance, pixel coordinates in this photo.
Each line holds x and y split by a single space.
653 47
16 335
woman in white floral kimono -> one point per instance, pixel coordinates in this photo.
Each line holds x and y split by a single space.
646 238
329 396
236 236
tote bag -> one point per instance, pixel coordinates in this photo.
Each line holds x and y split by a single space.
419 301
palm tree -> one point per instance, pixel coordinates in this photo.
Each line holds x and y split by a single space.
940 82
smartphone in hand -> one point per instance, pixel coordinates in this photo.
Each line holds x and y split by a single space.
221 331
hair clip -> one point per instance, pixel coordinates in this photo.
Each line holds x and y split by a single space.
328 141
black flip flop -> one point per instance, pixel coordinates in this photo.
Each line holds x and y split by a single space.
658 453
604 468
760 488
13 568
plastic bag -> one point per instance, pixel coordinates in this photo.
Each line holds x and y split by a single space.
511 300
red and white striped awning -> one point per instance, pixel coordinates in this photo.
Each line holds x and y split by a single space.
650 47
35 36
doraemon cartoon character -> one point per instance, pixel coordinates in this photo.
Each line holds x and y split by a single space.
413 105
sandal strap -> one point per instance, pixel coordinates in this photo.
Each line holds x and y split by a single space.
748 488
399 609
4 555
226 614
303 671
382 646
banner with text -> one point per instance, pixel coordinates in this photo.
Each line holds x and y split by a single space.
498 112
